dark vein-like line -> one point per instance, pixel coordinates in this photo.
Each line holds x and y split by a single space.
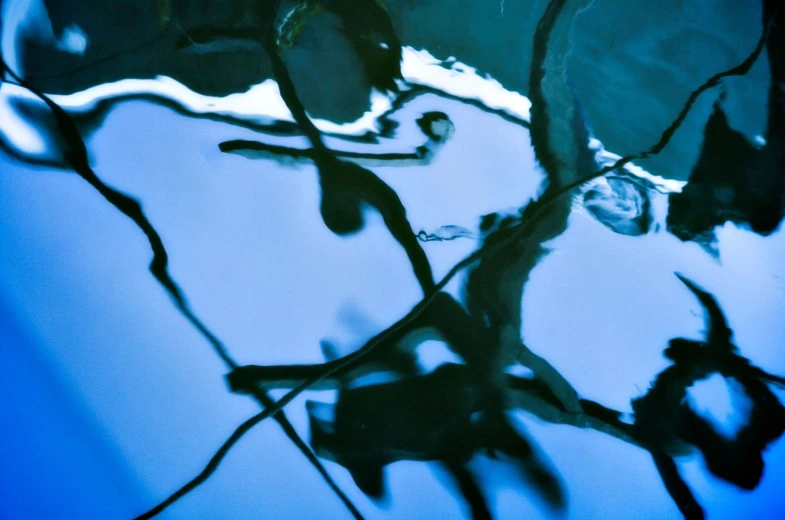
76 155
540 207
244 145
215 460
739 70
543 144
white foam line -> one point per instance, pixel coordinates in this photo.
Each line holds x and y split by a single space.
16 131
262 104
604 157
460 80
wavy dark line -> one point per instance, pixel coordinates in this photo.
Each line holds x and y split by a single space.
77 157
215 460
309 154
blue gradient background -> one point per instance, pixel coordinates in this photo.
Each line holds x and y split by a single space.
111 401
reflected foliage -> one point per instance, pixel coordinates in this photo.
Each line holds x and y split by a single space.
460 411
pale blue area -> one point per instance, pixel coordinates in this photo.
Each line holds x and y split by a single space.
249 249
56 462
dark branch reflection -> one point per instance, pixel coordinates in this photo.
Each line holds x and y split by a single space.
459 411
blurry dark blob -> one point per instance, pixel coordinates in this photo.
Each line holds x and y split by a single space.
419 418
445 416
341 206
436 125
488 221
733 180
440 416
621 204
666 423
346 187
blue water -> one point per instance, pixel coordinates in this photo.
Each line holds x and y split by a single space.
114 400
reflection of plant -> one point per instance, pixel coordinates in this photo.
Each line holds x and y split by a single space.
443 415
460 409
664 420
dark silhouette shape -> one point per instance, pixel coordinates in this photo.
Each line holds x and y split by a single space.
345 187
371 413
368 26
733 180
368 475
468 338
468 487
494 289
437 417
436 125
665 422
